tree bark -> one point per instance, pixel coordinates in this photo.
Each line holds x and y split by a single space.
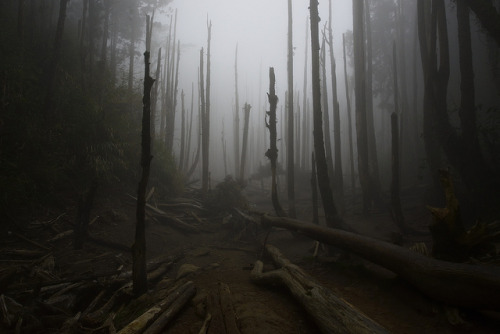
304 103
139 275
314 191
465 285
154 96
331 215
488 16
272 152
183 131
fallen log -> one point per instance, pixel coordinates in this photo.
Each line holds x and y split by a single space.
459 284
221 310
148 318
330 313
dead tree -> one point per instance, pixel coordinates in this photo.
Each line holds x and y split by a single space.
331 215
206 121
272 152
139 274
155 95
56 55
304 103
190 131
465 285
326 116
290 170
183 131
236 117
360 93
244 146
397 212
338 175
349 120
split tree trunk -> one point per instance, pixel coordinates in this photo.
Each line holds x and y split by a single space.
206 131
236 117
465 285
331 214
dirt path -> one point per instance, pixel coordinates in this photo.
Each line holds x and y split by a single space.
222 259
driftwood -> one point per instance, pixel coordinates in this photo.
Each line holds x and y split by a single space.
330 313
471 286
221 310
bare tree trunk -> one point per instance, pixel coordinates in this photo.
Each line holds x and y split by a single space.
56 54
397 212
236 117
190 131
338 174
246 109
326 116
272 152
206 133
360 91
489 17
290 170
304 101
373 170
183 131
331 215
349 121
139 274
202 109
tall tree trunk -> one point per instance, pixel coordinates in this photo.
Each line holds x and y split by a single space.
370 126
304 101
206 133
467 111
272 152
331 215
190 131
56 55
20 18
183 131
326 116
397 212
202 109
349 121
290 169
236 117
139 275
244 146
338 174
360 92
104 50
113 50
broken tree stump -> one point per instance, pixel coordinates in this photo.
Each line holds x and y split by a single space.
330 313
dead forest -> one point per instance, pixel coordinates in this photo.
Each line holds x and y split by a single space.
228 166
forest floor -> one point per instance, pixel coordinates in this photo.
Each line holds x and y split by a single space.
220 253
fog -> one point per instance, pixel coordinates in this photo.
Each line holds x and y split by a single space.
259 28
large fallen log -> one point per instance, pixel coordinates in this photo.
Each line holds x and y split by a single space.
330 313
459 284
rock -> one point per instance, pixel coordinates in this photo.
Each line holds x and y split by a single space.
186 269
